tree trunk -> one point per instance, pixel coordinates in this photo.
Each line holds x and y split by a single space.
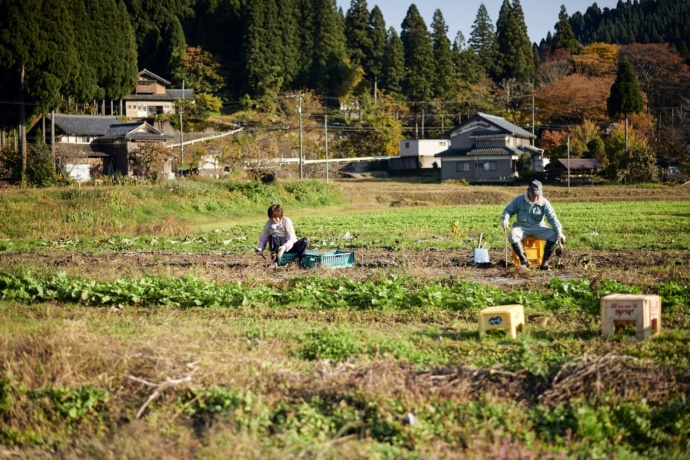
22 124
626 133
376 83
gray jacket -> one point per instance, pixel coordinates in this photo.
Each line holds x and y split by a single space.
532 213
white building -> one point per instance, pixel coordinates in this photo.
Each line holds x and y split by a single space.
419 153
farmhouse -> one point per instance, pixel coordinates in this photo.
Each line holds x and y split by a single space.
87 145
485 148
152 97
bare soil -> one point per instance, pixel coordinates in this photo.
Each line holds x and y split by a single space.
639 267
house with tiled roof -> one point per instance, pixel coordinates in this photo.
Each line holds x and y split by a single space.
486 148
153 97
88 145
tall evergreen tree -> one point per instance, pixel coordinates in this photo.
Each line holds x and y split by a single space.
564 36
37 58
483 39
625 97
217 27
357 31
373 63
468 68
288 18
419 56
445 81
159 32
329 67
117 71
393 74
83 84
263 54
525 46
514 51
306 34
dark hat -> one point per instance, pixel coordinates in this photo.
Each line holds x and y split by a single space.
535 188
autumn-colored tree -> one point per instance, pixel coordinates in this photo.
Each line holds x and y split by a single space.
381 130
199 70
148 160
554 143
673 144
573 99
629 158
597 59
557 65
662 73
581 136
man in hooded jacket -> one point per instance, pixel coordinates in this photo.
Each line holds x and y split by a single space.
531 208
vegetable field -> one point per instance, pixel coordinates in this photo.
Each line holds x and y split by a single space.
136 322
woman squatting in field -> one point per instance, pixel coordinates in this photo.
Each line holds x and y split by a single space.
280 235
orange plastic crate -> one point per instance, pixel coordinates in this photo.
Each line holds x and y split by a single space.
534 250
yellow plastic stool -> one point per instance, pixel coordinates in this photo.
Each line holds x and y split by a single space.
534 250
642 311
508 317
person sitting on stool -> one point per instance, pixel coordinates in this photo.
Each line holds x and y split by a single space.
531 208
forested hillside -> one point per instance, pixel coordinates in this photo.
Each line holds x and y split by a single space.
643 21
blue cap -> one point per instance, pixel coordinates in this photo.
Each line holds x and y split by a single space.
535 188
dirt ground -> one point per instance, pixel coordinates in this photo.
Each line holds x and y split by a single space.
638 267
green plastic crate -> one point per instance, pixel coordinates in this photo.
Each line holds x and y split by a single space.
288 258
336 259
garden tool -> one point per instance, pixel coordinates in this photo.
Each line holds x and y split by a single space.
505 234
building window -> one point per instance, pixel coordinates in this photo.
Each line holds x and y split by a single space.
462 166
407 145
489 166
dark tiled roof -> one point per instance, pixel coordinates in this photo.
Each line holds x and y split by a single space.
531 149
453 153
581 163
129 131
484 134
84 125
499 122
149 136
148 73
505 124
495 151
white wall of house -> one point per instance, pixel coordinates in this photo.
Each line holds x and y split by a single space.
143 109
423 147
72 139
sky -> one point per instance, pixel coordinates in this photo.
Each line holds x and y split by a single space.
540 15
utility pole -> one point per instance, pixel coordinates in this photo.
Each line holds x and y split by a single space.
533 119
301 153
181 131
568 164
325 129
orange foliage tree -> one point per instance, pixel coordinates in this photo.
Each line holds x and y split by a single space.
597 59
661 72
574 98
